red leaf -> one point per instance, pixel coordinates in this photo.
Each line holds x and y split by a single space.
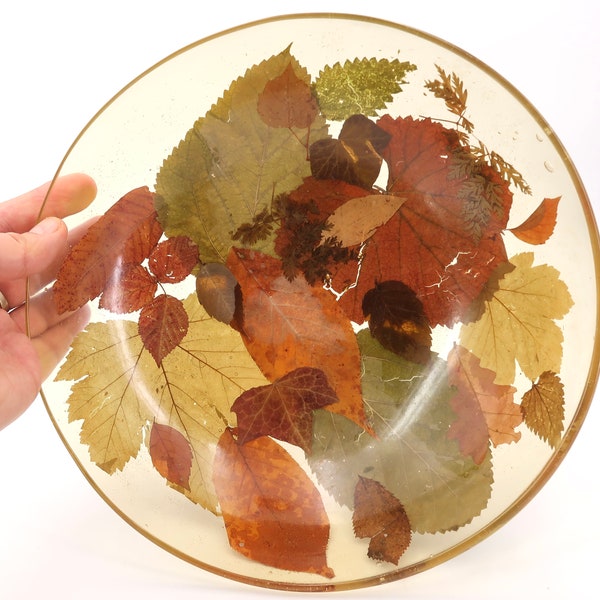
287 101
130 288
290 324
540 224
171 455
125 234
284 409
163 324
379 515
173 260
273 513
484 409
427 244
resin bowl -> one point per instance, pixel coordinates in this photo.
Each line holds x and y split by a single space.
343 292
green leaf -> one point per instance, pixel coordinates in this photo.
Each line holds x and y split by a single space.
359 86
231 164
412 455
119 390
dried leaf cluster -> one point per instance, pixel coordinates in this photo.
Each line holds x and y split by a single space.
292 247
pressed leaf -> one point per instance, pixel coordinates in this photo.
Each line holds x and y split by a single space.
273 513
290 324
163 324
355 157
171 455
287 101
395 316
129 288
215 288
231 164
478 394
379 515
441 489
356 220
539 226
517 321
284 409
126 233
543 408
359 86
118 389
173 260
427 244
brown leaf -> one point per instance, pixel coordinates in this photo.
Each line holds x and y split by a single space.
130 288
354 157
284 409
173 260
215 288
163 324
543 408
273 512
396 319
379 515
540 225
171 455
126 233
290 324
287 101
485 410
356 220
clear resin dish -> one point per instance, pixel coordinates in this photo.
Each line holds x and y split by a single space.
343 292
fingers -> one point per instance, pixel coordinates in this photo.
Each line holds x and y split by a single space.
67 195
29 253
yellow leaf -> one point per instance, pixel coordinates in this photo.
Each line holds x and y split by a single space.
120 390
543 408
517 322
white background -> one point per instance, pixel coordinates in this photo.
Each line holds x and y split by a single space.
60 61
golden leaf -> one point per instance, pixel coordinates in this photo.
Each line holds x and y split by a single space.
120 390
517 322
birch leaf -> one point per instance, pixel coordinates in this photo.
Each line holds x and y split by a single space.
539 226
518 321
543 408
119 390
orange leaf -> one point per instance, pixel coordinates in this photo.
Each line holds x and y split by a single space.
484 409
173 260
163 324
540 225
171 455
284 409
379 515
290 324
287 101
126 233
543 408
273 513
130 288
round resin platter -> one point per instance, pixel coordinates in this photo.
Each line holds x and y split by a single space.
340 330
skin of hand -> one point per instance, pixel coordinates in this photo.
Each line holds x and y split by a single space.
33 243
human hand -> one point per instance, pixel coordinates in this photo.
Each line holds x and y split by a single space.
32 251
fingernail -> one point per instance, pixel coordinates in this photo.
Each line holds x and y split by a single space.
47 226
